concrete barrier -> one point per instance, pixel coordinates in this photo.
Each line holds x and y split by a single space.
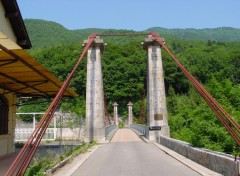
218 162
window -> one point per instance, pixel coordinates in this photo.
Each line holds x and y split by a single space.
3 115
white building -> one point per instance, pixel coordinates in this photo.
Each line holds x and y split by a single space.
20 74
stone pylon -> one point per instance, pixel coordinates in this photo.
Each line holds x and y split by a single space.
95 114
156 97
130 114
115 109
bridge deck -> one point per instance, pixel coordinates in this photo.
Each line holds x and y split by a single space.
127 154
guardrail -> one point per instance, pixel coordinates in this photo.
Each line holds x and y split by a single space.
109 129
140 128
218 162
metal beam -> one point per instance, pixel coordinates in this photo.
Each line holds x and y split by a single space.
7 62
21 83
27 64
17 90
39 81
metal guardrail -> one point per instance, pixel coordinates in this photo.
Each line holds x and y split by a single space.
140 128
109 129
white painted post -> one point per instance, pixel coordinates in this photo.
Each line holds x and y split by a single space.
130 114
115 105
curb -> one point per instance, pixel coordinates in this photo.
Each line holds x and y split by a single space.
59 165
141 136
109 140
189 163
71 170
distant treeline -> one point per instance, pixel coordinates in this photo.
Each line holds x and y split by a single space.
216 64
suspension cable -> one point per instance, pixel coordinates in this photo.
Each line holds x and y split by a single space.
26 154
122 35
234 127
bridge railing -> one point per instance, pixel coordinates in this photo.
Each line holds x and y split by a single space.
140 128
109 131
218 162
60 127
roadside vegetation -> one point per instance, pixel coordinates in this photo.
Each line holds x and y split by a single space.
216 64
40 165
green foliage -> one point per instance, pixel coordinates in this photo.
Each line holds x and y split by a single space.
120 124
41 164
35 105
190 119
216 34
215 64
44 34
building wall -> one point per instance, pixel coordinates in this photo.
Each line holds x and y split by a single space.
7 141
5 26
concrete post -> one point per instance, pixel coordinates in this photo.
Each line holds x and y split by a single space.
95 114
156 98
130 114
115 109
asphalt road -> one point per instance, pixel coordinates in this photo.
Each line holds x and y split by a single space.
127 155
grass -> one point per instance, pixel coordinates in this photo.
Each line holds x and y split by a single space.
41 165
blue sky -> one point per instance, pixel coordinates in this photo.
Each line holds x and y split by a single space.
135 14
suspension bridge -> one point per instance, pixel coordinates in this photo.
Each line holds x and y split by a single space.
126 152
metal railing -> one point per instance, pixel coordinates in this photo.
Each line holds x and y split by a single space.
140 128
23 134
58 127
109 129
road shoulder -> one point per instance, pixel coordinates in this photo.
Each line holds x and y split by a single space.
69 168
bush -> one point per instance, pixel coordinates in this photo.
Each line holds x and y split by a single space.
41 165
121 125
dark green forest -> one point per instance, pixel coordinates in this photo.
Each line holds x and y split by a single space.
44 34
214 62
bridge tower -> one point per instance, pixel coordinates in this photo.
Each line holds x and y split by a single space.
156 97
95 112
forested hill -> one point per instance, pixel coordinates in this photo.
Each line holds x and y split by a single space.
223 34
216 64
45 33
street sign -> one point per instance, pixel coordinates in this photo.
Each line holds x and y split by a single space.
155 128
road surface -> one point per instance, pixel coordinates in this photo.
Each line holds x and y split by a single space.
128 155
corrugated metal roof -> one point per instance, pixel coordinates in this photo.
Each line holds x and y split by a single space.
22 74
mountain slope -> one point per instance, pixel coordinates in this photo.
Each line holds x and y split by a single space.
45 34
218 34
